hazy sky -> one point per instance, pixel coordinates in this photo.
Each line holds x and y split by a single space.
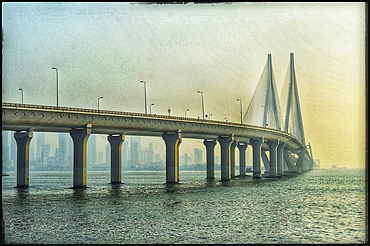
105 49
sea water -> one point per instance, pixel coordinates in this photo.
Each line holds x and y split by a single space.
320 206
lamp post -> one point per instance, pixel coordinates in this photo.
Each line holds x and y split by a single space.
98 103
144 95
186 111
241 110
202 102
57 74
209 116
151 108
22 94
169 111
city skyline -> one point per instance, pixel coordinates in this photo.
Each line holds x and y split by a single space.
103 51
46 154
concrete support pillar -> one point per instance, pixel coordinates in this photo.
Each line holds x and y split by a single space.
256 146
280 158
173 141
115 142
210 149
225 143
298 166
242 147
273 157
79 137
232 158
23 140
265 161
288 162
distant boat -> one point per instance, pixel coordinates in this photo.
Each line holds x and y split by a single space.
5 174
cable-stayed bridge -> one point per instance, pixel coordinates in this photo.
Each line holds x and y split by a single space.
263 128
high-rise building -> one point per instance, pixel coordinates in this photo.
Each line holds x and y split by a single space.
124 154
46 153
107 154
91 150
5 148
40 144
150 153
135 151
186 159
62 151
13 150
198 156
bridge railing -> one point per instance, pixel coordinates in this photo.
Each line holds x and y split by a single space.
100 112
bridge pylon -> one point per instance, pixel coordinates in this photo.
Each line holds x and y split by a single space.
264 109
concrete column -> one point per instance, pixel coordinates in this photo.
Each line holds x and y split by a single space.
256 146
280 160
298 166
210 148
242 147
173 141
273 156
79 137
23 140
265 161
115 142
232 158
225 143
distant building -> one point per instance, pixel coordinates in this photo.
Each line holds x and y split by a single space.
198 156
91 150
107 154
62 151
124 154
150 153
40 144
5 148
135 152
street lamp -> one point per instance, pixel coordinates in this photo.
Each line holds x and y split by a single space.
151 108
57 74
209 116
186 111
169 111
241 110
22 94
98 103
202 102
144 95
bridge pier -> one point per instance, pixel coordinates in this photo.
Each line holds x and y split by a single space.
80 137
280 160
298 166
173 141
256 146
225 143
115 142
273 156
265 161
23 140
210 148
232 158
242 147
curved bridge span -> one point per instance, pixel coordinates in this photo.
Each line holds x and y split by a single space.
26 117
284 148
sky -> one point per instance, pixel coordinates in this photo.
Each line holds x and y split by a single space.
106 49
